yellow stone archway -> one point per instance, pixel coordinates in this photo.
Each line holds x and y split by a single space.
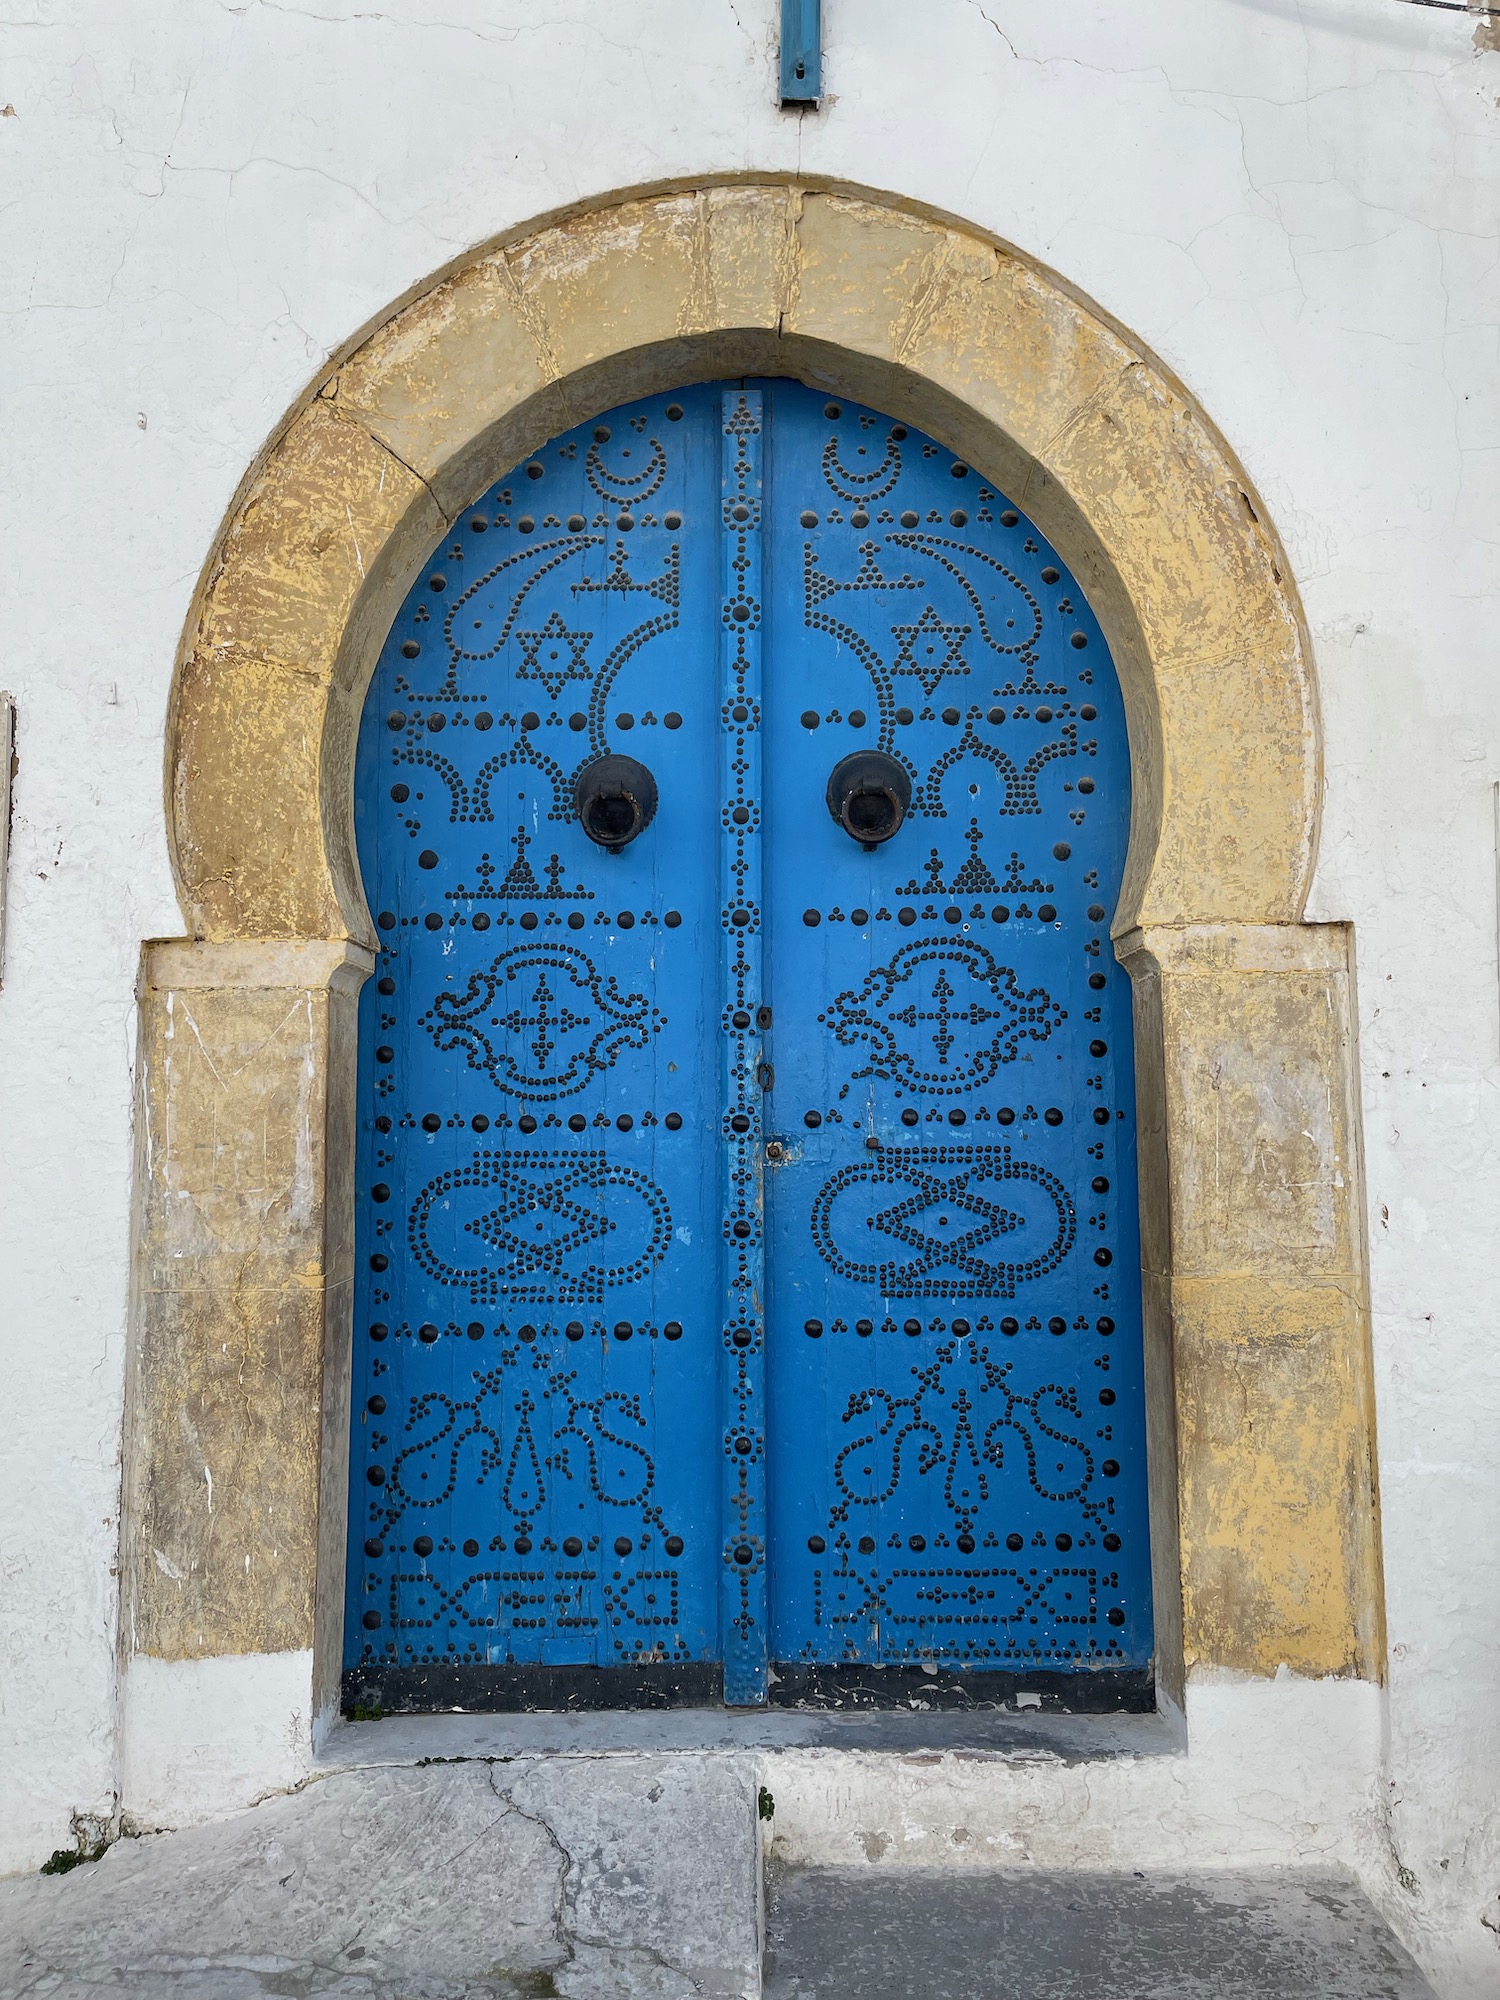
1264 1523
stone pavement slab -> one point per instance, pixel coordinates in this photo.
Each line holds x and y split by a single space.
635 1877
584 1878
884 1933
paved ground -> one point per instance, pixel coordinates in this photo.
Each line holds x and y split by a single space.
634 1877
628 1878
937 1934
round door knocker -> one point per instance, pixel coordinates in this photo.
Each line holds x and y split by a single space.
869 795
615 799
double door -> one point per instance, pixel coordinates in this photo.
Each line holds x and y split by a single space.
748 1293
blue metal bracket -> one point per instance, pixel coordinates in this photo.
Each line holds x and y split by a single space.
801 51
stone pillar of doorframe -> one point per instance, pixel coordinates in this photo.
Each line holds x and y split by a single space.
237 1421
1258 1336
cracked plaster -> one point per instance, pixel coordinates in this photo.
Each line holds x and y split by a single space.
1293 201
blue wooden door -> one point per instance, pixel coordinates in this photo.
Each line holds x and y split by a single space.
955 1461
748 1287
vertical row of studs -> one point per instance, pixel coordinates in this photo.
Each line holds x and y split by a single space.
744 1599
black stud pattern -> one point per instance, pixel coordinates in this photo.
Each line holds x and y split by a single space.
974 1409
941 1232
526 623
908 1017
553 1209
744 1079
561 1023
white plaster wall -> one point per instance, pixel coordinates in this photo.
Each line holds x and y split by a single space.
1274 1769
1296 202
251 1709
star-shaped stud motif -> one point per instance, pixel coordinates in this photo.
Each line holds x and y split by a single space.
550 1018
930 649
943 1014
554 656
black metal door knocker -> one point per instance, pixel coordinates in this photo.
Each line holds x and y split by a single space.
615 799
869 794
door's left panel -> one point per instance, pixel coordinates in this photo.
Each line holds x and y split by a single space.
535 1467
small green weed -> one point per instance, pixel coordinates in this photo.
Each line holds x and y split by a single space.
92 1841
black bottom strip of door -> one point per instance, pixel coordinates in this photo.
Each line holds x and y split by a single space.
444 1687
1103 1691
519 1690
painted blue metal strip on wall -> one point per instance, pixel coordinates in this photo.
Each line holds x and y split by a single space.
801 51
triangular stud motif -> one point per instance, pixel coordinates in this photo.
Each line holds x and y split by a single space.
974 878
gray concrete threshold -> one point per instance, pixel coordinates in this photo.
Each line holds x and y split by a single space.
1033 1934
403 1739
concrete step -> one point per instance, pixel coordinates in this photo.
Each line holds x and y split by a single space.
585 1878
883 1933
636 1876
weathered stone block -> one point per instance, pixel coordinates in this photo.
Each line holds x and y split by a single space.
300 547
1256 1060
751 256
1280 1563
226 1422
605 284
860 267
625 1878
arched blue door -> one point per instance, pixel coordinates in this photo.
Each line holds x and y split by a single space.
748 1302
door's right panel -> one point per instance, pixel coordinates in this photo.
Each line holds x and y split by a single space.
956 1450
